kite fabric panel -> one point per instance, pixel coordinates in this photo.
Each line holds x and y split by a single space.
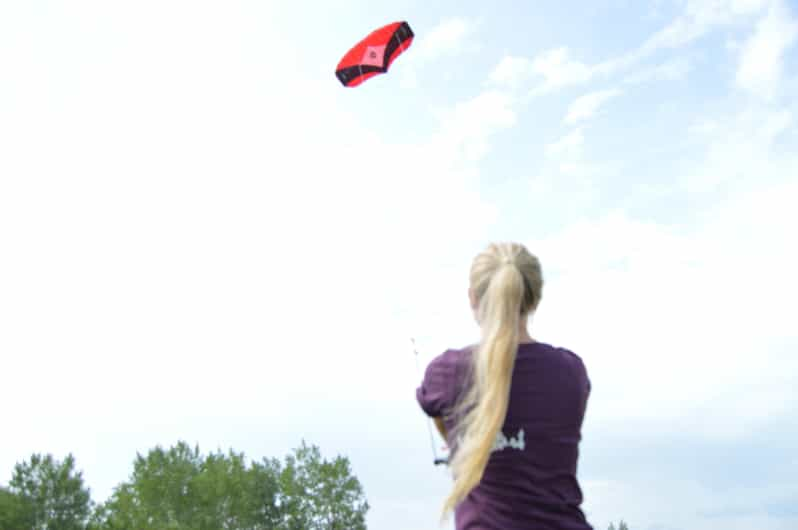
374 54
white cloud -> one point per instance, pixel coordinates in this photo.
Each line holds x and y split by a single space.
698 18
566 157
671 70
567 182
585 107
704 128
587 170
449 37
761 59
569 146
558 70
551 70
511 71
468 126
738 148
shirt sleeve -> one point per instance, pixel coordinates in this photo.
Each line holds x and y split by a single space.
437 390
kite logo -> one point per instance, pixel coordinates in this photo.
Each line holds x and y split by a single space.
374 56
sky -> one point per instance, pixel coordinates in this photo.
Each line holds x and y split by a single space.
205 237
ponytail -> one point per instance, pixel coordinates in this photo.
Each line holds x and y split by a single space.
503 282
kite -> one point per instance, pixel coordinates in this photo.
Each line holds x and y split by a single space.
374 54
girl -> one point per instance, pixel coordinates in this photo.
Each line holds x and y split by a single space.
510 407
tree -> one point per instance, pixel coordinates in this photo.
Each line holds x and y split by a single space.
50 494
317 494
178 489
621 526
15 513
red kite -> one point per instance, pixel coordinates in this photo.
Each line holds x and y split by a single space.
374 54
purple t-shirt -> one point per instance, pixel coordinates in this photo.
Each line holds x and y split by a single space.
530 479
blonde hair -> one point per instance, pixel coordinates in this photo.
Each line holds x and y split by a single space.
506 282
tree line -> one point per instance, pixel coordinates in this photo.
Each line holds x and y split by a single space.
181 489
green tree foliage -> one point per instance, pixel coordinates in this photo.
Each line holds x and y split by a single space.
179 489
621 526
15 513
320 494
50 495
